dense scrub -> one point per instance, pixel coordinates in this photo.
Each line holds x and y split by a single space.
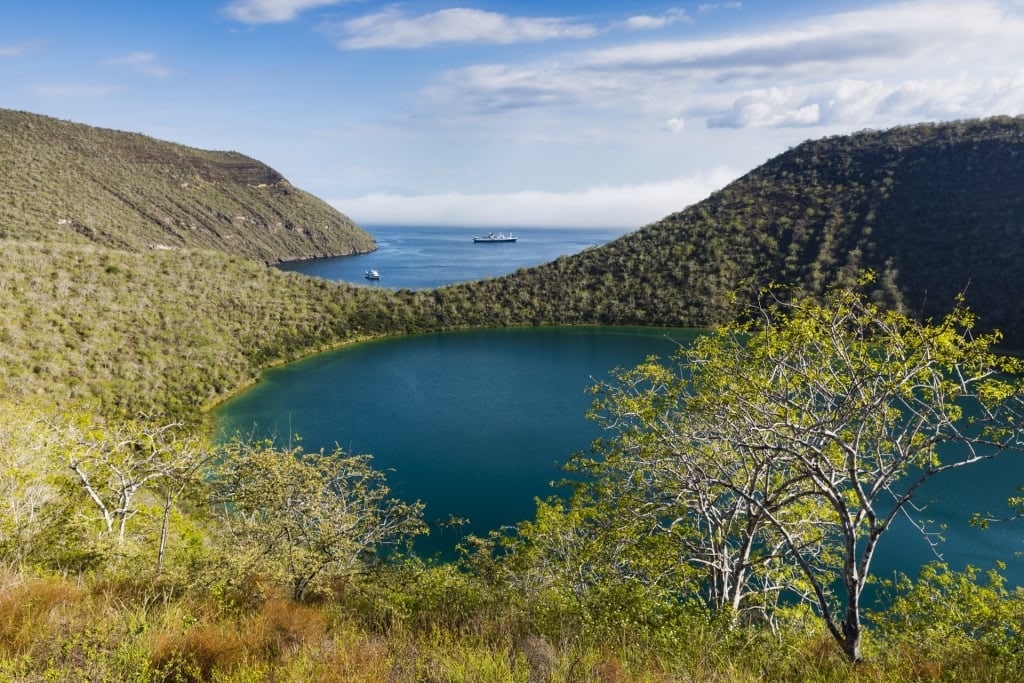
155 331
934 209
131 550
68 182
168 332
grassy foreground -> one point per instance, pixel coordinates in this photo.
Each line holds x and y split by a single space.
101 334
421 624
108 320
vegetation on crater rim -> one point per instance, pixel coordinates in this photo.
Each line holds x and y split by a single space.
172 582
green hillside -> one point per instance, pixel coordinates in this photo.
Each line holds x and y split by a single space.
133 548
154 331
73 183
934 209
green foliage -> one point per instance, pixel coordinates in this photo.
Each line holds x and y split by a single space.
772 457
945 620
307 517
73 183
77 495
114 466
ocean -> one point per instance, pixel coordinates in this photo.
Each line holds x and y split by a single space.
426 258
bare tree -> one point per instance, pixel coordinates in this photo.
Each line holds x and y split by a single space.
114 464
303 515
818 425
28 494
670 482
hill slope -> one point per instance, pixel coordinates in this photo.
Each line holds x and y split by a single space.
73 183
161 332
934 209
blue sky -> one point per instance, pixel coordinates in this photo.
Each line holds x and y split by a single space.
603 114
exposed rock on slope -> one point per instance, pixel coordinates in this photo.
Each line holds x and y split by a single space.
68 182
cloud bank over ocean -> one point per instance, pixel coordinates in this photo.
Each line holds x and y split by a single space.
597 207
522 113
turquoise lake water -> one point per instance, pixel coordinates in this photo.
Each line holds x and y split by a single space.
476 424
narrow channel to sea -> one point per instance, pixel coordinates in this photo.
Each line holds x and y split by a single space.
426 258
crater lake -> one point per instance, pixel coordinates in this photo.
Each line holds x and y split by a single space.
477 424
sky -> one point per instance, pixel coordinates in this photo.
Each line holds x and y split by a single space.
491 113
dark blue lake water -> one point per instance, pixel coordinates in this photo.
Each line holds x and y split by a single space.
476 424
425 258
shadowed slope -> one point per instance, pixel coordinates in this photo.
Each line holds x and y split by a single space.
934 209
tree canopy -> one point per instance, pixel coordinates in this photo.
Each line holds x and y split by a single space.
777 454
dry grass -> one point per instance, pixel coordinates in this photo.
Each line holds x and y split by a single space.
34 612
57 629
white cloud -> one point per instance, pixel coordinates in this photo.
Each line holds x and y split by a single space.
675 125
847 100
770 107
787 48
924 33
959 97
709 7
836 69
629 206
145 63
272 11
851 102
12 51
392 29
645 22
498 88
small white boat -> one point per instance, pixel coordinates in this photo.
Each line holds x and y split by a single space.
372 275
495 237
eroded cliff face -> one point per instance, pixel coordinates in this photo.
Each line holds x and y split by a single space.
231 168
69 182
